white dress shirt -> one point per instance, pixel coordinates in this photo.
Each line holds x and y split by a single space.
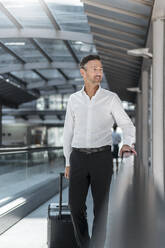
88 122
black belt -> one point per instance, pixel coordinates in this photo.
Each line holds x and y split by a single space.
92 150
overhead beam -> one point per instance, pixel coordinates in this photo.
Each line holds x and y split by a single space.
117 31
33 112
63 74
122 77
119 70
118 10
46 33
144 2
57 27
109 19
130 43
121 67
71 51
60 91
109 56
10 16
120 58
39 65
38 47
40 75
131 81
105 44
49 14
9 51
54 82
111 64
35 43
118 54
108 67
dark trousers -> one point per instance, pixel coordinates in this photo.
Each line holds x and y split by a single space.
93 169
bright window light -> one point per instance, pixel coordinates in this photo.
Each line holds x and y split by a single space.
66 2
14 43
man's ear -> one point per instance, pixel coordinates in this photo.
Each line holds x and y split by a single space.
82 72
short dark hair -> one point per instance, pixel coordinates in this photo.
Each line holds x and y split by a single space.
87 58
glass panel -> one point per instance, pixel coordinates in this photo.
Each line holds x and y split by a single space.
82 49
6 59
28 76
72 73
13 175
69 15
50 73
65 100
40 103
56 49
55 136
28 12
24 49
5 22
19 171
55 102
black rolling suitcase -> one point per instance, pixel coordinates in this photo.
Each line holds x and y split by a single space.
60 233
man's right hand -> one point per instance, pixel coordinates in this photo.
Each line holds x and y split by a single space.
67 170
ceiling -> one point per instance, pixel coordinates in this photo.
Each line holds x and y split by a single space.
118 26
42 43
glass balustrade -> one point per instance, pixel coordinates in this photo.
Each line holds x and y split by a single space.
21 169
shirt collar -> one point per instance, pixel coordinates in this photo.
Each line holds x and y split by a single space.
98 90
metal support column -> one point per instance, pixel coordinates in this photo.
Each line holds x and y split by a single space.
139 128
0 124
157 96
145 118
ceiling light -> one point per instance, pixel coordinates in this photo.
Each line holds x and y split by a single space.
66 2
140 52
78 43
14 43
134 89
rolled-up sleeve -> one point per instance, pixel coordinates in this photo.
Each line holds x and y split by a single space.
123 121
68 132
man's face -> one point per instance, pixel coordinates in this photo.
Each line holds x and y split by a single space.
92 72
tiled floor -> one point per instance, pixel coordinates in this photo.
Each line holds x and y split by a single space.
136 215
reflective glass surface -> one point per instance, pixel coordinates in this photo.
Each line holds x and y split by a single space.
5 22
28 76
29 13
55 102
82 49
50 73
72 73
56 49
21 170
69 15
24 49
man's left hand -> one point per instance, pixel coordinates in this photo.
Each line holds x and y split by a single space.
127 148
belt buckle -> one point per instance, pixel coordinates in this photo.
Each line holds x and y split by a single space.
88 151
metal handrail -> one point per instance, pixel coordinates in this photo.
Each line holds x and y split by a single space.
25 149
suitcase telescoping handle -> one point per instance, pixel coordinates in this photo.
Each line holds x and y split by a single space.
60 190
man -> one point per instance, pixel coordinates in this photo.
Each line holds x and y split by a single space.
87 148
116 139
